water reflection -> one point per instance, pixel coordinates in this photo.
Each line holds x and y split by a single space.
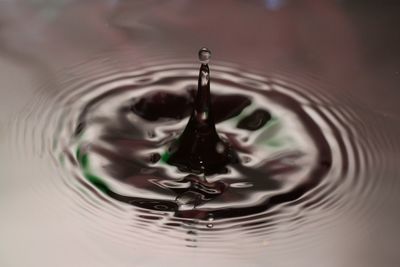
52 51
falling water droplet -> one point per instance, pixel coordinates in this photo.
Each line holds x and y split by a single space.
204 55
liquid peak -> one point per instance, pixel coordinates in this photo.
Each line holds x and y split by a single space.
199 149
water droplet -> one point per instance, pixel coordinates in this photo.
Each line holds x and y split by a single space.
204 55
210 220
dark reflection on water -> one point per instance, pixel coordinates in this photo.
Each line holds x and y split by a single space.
140 160
308 100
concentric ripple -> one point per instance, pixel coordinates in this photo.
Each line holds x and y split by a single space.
306 158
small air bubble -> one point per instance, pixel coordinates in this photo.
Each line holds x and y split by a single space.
204 55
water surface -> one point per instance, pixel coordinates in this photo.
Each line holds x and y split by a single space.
83 179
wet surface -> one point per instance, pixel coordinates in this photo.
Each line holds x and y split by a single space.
275 165
95 94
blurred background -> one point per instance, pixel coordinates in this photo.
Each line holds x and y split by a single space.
351 43
350 46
